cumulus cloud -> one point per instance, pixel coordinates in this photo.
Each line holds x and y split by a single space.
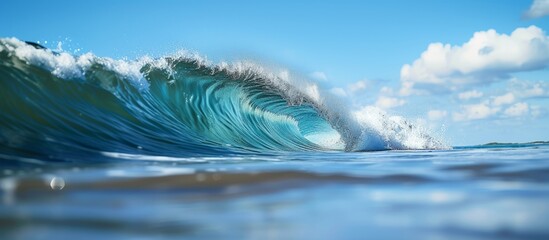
527 89
385 102
504 99
358 86
355 88
539 8
436 114
386 91
475 112
537 90
470 95
505 105
517 109
487 57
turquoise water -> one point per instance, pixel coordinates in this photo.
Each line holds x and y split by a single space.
180 148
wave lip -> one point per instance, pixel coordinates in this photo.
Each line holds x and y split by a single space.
177 105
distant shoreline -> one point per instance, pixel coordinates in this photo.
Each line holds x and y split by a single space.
503 144
499 143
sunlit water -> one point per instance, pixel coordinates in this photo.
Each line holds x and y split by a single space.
499 192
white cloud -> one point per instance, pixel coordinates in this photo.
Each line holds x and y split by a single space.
358 86
536 111
386 91
517 109
536 91
436 114
504 99
384 102
351 89
539 8
487 57
338 92
493 108
470 95
475 112
319 76
518 91
526 89
510 104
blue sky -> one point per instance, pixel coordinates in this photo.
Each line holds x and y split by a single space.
356 49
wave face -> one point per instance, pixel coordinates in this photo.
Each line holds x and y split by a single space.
59 106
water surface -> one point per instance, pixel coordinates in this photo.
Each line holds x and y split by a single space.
465 193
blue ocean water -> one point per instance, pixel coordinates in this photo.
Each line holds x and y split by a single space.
179 148
466 193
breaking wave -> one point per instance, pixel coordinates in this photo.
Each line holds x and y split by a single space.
61 106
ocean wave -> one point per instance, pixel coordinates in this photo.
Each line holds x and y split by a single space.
62 106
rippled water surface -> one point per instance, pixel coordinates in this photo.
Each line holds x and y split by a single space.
487 192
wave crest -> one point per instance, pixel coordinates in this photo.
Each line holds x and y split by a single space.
178 105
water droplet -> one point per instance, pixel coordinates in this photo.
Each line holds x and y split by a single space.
57 183
200 177
8 186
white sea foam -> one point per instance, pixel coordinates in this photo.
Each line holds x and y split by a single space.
60 64
379 130
67 66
